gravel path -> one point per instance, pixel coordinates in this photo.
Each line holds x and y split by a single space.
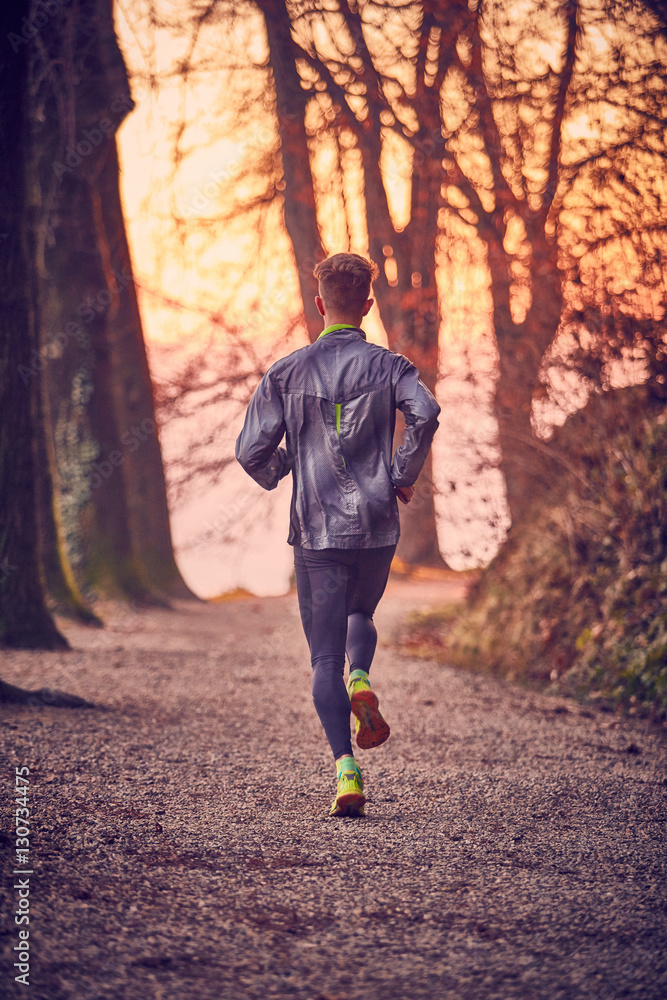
180 846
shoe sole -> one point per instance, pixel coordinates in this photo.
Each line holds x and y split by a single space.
350 804
373 730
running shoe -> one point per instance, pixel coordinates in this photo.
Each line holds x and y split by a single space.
371 728
350 798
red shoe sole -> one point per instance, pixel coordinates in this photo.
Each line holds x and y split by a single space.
373 730
351 804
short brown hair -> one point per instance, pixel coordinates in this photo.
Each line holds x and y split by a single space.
345 280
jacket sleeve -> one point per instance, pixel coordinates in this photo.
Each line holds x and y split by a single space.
257 445
420 409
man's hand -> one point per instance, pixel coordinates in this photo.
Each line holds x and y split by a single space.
404 493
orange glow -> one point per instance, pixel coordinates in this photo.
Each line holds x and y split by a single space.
207 228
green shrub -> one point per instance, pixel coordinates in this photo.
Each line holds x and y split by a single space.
577 597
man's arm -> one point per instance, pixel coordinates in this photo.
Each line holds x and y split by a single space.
420 410
257 445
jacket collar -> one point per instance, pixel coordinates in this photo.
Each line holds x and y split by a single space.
342 328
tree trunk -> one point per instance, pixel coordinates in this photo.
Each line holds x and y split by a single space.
132 391
24 619
409 307
521 348
58 577
418 544
298 191
86 440
57 574
112 502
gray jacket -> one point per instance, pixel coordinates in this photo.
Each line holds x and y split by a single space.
335 402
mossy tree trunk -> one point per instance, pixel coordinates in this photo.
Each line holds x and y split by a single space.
108 474
25 621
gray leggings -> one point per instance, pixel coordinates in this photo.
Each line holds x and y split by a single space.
339 590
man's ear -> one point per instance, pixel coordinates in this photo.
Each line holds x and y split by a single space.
367 307
320 305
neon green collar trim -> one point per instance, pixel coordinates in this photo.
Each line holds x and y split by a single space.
338 326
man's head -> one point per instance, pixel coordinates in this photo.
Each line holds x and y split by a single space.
345 283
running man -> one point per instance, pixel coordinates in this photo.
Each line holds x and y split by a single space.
335 404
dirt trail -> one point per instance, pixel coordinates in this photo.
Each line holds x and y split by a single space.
514 844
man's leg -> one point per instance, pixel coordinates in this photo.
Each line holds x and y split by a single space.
368 582
322 581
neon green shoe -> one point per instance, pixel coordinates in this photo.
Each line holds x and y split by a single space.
350 798
371 728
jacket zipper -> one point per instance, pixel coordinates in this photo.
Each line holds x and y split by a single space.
338 409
